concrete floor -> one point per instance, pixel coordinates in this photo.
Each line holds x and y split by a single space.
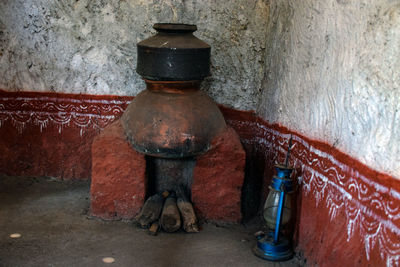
51 217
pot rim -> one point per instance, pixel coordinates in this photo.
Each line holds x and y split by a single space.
175 27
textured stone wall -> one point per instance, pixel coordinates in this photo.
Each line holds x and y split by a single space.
333 74
89 46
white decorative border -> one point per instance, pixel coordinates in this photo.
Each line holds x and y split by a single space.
60 111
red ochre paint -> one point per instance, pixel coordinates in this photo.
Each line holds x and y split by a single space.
118 185
347 213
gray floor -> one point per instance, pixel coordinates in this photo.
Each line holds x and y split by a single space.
51 217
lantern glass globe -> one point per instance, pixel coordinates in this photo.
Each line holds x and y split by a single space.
271 209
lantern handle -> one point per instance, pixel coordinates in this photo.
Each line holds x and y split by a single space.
288 151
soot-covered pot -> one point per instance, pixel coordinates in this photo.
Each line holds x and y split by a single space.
173 118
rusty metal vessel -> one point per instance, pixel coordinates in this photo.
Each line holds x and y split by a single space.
173 118
173 54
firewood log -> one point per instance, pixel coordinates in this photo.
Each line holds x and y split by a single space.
188 215
170 218
150 211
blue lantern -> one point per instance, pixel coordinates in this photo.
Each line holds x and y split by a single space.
277 213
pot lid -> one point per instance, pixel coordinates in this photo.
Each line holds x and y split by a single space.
174 53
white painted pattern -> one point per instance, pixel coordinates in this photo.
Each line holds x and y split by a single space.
59 111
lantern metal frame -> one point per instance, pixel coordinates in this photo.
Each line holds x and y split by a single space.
274 246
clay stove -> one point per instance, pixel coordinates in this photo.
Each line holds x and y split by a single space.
172 145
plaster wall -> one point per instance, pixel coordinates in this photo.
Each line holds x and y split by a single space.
333 74
89 46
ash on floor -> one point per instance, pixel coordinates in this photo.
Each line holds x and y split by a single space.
51 218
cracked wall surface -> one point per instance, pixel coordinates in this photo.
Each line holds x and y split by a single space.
89 46
333 74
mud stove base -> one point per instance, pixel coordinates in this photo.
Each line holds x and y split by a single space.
119 183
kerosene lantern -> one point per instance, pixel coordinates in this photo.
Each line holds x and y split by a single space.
273 245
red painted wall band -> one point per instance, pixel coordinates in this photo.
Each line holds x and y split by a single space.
70 121
350 213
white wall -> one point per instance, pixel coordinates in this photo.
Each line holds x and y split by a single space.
89 46
333 74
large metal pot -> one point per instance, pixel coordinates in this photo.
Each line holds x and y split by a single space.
172 118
